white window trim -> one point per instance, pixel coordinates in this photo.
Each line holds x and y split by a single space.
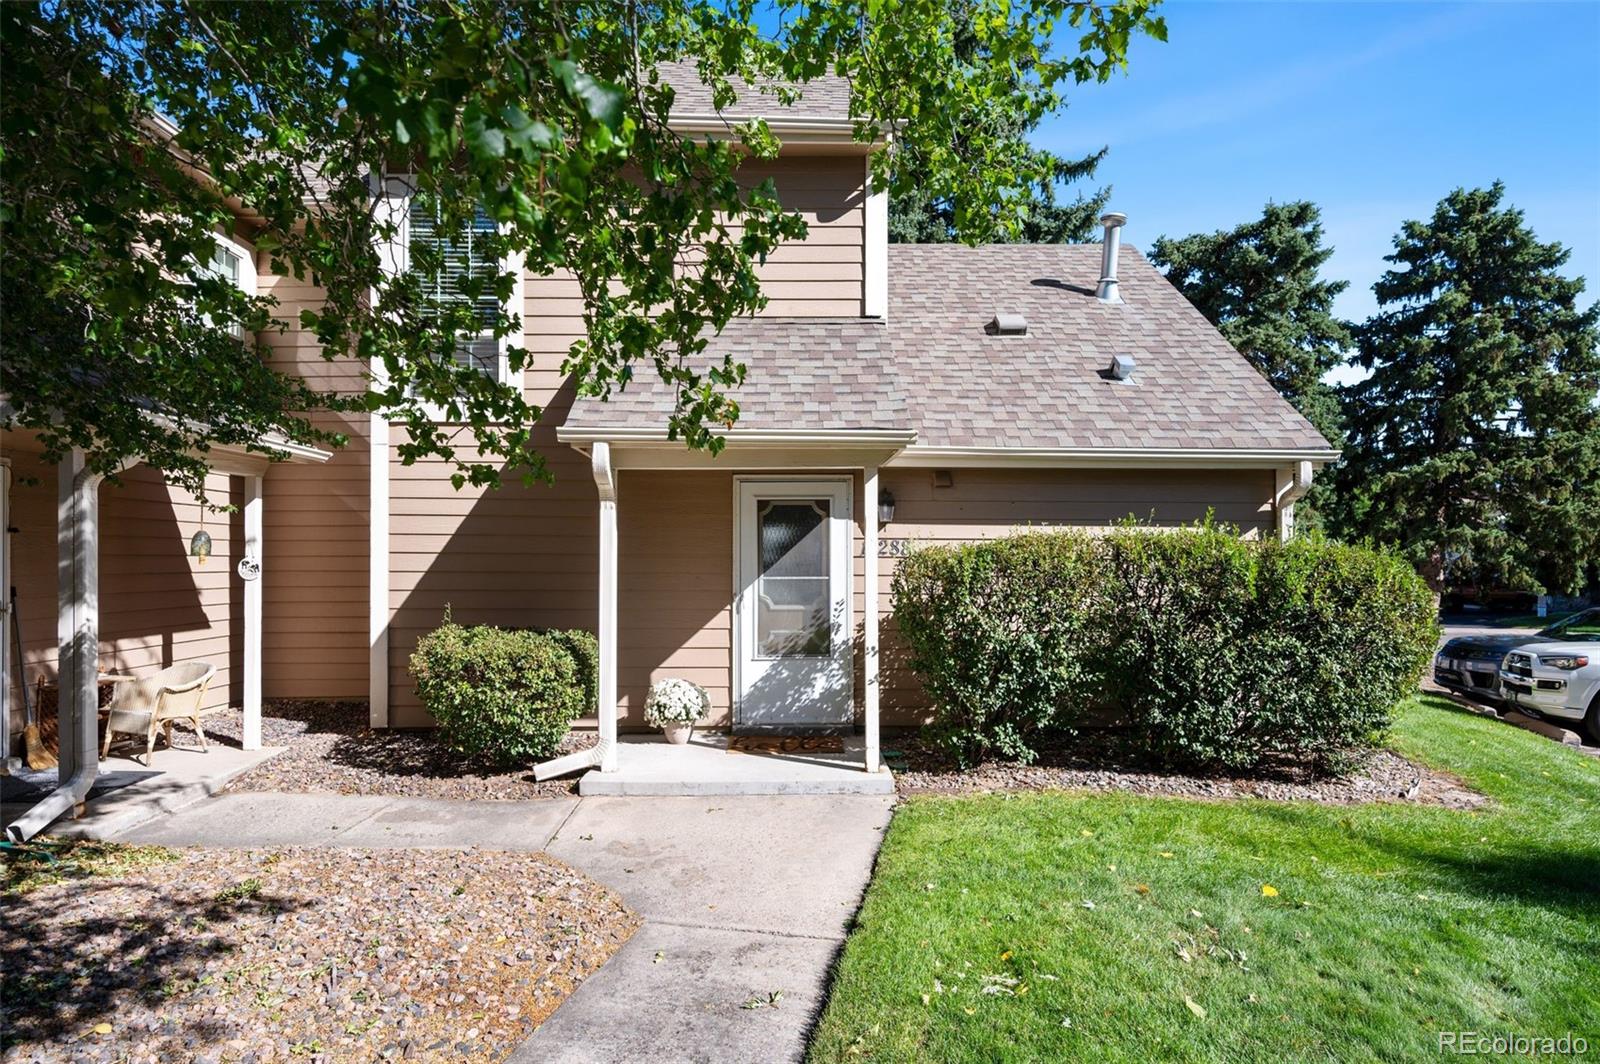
249 282
398 192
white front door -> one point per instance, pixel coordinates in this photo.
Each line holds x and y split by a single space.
791 609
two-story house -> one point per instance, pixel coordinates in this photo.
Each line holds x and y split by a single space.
897 395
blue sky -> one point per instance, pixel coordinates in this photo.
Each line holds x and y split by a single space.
1373 111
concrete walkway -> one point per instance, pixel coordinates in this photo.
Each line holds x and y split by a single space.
742 898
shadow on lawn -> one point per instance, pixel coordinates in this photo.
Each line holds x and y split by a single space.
1514 864
75 957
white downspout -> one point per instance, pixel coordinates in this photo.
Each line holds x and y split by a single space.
1293 483
78 633
254 500
603 753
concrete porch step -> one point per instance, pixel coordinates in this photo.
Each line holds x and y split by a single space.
649 766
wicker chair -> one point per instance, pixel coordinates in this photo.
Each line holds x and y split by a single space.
145 706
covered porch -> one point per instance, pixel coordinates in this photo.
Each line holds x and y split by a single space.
79 643
754 573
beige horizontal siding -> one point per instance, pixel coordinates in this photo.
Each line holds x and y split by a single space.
674 587
521 557
314 530
158 606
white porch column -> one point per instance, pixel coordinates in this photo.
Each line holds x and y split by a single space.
253 503
869 610
378 571
78 615
605 479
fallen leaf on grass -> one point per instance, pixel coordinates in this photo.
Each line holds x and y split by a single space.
1194 1006
1086 833
1197 914
1006 955
969 1010
1268 890
1165 853
1141 888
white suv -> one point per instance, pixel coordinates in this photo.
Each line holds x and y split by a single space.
1560 680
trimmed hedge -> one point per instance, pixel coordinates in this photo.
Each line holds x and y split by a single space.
506 696
1215 652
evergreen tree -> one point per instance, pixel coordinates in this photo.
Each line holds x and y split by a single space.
1475 443
921 213
1260 285
918 217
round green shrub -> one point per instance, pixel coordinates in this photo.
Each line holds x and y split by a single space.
1003 638
1214 652
506 696
585 651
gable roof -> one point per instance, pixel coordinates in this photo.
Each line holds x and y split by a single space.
932 368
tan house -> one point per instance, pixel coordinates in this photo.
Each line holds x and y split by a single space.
897 395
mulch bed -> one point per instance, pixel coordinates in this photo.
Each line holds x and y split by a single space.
1101 765
332 750
305 955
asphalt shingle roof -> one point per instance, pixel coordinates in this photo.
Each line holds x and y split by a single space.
824 97
933 368
813 373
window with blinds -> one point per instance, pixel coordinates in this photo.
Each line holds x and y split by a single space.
464 257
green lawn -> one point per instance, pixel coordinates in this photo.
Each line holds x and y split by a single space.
1387 925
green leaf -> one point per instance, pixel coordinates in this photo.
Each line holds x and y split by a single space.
482 139
602 100
525 132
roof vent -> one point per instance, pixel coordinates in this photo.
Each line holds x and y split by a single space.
1007 325
1121 368
1107 290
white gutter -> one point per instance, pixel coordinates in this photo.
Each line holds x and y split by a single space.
718 122
918 456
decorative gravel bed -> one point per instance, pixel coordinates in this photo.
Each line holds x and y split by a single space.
306 955
331 749
1378 776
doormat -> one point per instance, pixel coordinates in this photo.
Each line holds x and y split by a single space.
786 744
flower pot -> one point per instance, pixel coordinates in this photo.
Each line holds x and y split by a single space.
678 732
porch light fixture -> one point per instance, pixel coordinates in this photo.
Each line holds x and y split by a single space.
200 542
885 507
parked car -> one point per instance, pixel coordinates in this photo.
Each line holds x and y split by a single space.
1470 664
1558 680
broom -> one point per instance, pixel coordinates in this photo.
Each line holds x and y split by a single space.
37 757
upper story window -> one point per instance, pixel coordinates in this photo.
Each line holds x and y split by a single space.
461 258
236 264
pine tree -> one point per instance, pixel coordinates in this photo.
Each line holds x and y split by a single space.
1475 442
920 215
915 217
1260 285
